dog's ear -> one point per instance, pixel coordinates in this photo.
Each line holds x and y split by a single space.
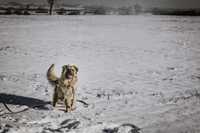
64 69
75 67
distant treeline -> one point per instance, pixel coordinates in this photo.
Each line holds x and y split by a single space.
31 9
177 12
69 10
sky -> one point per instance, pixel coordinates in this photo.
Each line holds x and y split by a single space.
120 3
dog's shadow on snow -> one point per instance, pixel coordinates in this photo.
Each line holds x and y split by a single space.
22 100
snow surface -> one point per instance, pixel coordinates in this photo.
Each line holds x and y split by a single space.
133 70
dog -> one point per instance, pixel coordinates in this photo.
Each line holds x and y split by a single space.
65 86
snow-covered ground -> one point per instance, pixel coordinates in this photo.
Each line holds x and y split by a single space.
134 71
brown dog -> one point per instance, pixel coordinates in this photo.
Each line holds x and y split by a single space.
65 86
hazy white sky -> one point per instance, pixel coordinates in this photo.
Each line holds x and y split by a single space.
119 3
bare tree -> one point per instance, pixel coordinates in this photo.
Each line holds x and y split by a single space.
138 8
51 3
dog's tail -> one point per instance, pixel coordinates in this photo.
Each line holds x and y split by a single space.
51 75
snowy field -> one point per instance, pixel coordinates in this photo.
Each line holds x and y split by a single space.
134 72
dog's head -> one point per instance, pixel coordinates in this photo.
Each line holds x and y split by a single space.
69 71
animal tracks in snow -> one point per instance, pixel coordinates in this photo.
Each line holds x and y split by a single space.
115 94
64 126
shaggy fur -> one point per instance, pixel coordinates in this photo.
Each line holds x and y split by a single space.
65 86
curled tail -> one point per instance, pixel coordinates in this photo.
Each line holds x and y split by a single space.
51 75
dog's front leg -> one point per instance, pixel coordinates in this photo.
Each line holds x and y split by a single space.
74 99
55 96
68 105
